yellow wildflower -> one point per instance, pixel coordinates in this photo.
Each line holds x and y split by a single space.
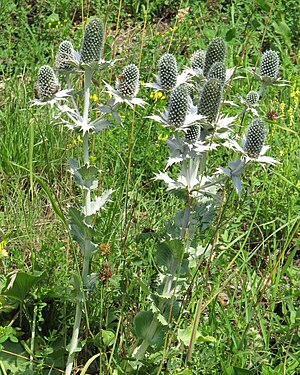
162 138
94 97
298 184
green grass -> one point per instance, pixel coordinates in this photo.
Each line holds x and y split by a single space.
248 290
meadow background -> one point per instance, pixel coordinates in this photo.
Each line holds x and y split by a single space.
251 314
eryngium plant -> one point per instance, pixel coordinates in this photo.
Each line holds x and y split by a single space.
168 71
216 52
91 49
128 83
47 83
255 138
269 66
65 54
210 100
193 133
178 106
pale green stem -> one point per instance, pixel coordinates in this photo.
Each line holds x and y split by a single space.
87 200
74 340
72 97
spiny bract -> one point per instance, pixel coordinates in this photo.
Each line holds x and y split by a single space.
47 83
178 105
92 42
128 84
198 59
64 55
217 70
216 51
269 66
210 99
168 71
255 138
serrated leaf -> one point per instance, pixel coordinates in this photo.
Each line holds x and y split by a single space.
85 176
81 232
98 203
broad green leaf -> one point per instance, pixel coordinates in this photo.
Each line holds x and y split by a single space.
230 34
170 254
15 360
108 337
19 284
142 322
185 336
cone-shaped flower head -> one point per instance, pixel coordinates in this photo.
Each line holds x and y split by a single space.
252 98
217 70
128 84
255 138
269 66
193 133
210 100
198 59
47 83
178 105
168 71
92 42
64 55
216 51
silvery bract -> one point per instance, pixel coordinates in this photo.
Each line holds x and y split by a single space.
47 84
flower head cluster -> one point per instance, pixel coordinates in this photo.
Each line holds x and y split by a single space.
65 56
216 52
92 44
168 71
197 60
255 138
269 66
47 84
128 83
210 100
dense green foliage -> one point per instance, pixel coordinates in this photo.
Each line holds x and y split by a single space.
249 288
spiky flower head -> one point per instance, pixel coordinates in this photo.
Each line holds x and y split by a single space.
269 66
193 133
128 84
168 71
47 83
255 138
198 59
217 70
252 98
178 105
92 42
216 51
64 55
210 100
